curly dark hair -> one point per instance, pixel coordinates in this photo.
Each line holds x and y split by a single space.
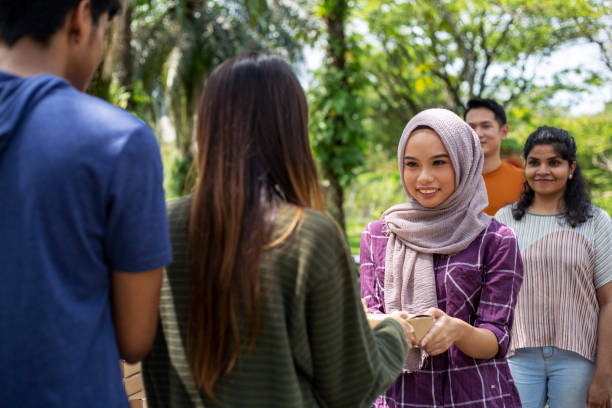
576 198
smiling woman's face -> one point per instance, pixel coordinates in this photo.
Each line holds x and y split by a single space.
547 172
428 172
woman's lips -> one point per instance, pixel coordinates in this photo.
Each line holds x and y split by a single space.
427 192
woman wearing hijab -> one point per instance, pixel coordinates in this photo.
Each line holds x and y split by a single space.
439 254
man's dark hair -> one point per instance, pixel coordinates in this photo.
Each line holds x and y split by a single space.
40 19
496 108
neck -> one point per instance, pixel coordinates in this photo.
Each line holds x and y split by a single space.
28 57
547 205
491 163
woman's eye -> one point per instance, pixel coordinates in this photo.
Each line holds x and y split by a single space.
410 164
439 162
555 163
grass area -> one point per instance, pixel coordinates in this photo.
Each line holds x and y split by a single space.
353 233
353 240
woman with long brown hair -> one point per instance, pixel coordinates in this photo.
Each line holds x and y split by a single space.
261 305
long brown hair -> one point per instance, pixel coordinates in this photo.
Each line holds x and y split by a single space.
253 154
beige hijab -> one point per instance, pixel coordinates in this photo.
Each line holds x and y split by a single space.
417 232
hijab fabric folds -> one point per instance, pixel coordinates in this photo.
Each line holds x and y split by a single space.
417 232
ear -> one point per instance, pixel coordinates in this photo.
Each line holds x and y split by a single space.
572 169
504 131
79 22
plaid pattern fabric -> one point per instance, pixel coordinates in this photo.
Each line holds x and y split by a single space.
478 285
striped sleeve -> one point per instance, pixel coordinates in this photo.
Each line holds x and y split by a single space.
504 215
351 363
603 248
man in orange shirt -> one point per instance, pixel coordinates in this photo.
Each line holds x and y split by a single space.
503 180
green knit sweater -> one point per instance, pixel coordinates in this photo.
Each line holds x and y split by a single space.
314 347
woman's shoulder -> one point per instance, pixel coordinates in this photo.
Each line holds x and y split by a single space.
179 210
495 236
499 229
376 228
315 220
179 207
504 214
315 231
600 215
315 240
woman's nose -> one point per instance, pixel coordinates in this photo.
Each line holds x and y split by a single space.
425 176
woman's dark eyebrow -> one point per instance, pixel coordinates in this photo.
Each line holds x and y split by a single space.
558 156
437 156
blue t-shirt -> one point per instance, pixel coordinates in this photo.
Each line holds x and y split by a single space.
80 195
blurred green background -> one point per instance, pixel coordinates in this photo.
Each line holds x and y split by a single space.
368 66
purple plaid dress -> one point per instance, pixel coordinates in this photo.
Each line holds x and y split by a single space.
478 285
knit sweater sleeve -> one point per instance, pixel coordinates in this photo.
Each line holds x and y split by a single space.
351 363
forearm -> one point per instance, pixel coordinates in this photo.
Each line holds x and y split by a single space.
135 298
603 365
476 342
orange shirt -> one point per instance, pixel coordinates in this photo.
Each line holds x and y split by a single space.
504 185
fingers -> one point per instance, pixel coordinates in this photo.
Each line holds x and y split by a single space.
440 336
435 312
598 395
401 317
598 404
402 314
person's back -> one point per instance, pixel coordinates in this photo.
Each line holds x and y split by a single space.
260 307
310 349
81 199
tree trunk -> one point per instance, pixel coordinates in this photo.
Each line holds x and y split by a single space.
126 61
334 199
336 54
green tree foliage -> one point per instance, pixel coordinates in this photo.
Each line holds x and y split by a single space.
335 110
428 53
385 60
164 49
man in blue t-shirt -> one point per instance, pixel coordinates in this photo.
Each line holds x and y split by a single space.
83 229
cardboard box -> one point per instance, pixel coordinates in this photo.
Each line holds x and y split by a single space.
128 369
420 323
138 403
133 384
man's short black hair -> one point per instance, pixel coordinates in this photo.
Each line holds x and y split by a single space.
40 19
496 108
